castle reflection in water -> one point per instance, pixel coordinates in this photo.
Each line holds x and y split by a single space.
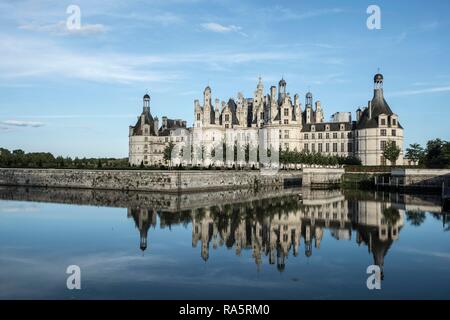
272 228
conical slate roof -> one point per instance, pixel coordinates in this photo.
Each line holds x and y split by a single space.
379 106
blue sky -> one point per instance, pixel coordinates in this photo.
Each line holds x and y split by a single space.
76 93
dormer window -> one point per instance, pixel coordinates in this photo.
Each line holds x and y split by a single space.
313 128
394 122
342 127
383 121
327 127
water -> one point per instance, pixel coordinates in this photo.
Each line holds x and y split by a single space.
270 244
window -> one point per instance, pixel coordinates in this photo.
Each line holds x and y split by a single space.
342 135
313 136
349 147
261 116
334 135
327 127
198 116
306 147
227 126
327 147
313 147
320 135
383 132
227 117
286 112
383 145
306 136
313 128
334 147
349 135
394 122
286 121
146 131
383 122
394 132
327 135
320 147
279 134
342 147
286 134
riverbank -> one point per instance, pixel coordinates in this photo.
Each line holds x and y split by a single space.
166 180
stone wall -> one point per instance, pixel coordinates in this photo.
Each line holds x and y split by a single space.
420 178
322 176
143 180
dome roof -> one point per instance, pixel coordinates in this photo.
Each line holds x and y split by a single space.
282 82
378 77
309 95
146 96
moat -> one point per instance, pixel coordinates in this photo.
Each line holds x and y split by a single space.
234 244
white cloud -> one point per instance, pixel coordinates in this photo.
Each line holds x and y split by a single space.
28 58
60 28
21 123
220 28
439 89
283 13
217 27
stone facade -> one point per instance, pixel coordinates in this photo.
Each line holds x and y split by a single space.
287 124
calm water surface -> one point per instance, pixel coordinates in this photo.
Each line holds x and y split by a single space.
271 244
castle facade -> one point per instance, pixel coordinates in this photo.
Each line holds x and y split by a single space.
287 124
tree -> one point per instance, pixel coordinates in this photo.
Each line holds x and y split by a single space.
391 215
437 154
391 152
415 152
416 218
168 152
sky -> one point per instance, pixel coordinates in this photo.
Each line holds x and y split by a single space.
76 92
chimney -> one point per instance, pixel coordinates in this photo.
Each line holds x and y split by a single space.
273 92
370 109
358 114
318 107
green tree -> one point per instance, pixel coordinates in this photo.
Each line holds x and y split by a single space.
391 152
416 218
415 152
391 215
167 153
437 154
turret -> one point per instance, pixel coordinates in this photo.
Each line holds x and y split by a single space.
146 103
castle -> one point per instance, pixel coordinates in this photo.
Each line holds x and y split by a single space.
289 126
